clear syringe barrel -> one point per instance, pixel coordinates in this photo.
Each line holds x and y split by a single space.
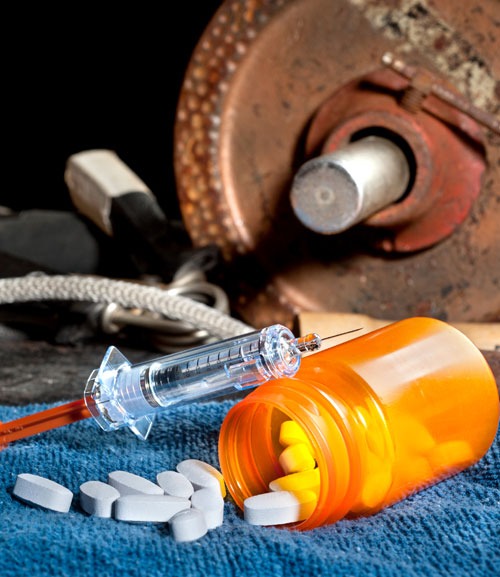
121 394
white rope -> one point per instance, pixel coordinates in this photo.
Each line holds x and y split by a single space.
41 287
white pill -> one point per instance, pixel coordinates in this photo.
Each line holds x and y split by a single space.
43 492
97 498
149 508
211 504
131 484
174 483
202 475
279 507
188 525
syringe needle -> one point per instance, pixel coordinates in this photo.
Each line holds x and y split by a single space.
43 421
341 334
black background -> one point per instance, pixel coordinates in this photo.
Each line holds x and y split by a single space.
79 77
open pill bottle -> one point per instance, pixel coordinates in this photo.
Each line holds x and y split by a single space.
386 414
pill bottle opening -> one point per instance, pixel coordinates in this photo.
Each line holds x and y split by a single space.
250 451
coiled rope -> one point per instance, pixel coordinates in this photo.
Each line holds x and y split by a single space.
42 287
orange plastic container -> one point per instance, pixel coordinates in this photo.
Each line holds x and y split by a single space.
387 414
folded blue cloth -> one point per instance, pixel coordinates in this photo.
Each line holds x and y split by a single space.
450 529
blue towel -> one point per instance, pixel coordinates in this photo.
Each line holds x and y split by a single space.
450 529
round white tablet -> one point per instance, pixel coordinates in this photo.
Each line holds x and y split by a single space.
279 507
97 498
149 508
131 484
202 475
174 483
188 525
43 492
211 504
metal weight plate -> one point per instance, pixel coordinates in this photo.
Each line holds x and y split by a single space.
273 84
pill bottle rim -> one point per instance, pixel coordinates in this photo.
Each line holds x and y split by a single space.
332 433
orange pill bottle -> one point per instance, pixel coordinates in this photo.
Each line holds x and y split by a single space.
387 414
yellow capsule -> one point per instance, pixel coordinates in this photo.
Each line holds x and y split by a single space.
308 501
375 488
291 433
414 471
450 455
414 435
297 481
377 482
296 458
375 441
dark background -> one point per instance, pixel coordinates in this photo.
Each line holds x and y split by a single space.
87 78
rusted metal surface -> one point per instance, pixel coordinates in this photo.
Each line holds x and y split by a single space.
422 83
259 78
448 162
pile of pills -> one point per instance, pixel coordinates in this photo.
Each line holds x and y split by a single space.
190 499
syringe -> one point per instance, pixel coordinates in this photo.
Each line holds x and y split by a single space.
120 393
